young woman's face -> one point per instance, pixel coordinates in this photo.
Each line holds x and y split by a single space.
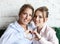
39 18
26 16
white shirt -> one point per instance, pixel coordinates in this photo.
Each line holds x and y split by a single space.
15 35
48 36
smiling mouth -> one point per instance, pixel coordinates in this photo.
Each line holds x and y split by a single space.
36 22
25 20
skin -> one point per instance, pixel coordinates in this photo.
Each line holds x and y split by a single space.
39 20
25 17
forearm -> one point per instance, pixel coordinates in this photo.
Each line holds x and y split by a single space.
45 41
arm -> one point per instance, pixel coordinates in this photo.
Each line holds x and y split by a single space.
52 38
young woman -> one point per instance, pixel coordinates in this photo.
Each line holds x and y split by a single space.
19 32
43 33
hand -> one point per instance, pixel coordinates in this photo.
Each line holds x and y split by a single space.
28 34
28 31
37 35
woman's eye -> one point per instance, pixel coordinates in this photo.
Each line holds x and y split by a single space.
40 16
24 13
30 15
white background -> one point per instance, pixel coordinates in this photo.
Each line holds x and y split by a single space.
9 10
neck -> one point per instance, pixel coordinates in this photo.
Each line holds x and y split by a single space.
23 25
39 29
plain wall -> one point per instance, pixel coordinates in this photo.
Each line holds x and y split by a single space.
9 10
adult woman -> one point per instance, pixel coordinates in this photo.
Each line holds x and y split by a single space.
17 32
43 33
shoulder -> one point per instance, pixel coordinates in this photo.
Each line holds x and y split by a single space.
50 29
10 30
10 34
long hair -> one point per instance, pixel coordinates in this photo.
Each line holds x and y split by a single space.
24 7
42 9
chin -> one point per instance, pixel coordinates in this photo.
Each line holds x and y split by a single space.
36 24
25 23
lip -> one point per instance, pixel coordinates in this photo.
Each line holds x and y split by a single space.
26 20
36 22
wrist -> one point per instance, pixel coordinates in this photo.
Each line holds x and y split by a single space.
39 38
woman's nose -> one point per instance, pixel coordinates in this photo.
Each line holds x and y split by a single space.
27 16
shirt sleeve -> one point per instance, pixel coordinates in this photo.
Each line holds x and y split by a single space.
52 39
12 36
6 37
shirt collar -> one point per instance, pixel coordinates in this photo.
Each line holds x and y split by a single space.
19 27
44 27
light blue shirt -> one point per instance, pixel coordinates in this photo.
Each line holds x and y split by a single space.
15 35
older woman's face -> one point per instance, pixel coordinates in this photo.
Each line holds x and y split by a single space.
39 19
26 16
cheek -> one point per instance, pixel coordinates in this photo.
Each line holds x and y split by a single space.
23 16
30 18
41 20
